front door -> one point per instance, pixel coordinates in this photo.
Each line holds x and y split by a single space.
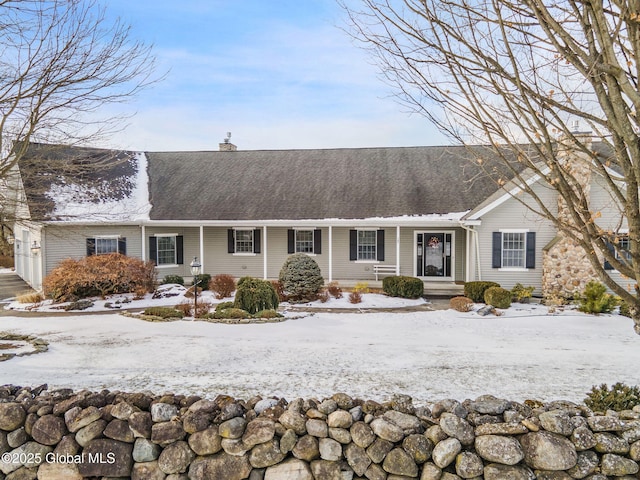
433 254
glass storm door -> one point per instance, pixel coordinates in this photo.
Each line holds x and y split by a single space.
433 254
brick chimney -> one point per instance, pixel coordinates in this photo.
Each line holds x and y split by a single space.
227 146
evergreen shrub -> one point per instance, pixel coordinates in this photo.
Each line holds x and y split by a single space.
163 312
235 313
172 279
619 397
475 290
301 277
404 287
595 299
224 306
203 281
254 295
497 297
521 293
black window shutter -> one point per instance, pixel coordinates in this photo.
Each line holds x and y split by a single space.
231 241
607 265
497 250
91 246
122 245
256 240
291 241
153 249
179 249
353 245
317 241
531 250
380 246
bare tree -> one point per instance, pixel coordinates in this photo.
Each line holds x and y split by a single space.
62 63
517 74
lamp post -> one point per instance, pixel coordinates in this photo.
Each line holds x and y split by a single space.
195 271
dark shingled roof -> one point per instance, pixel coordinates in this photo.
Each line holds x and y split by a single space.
103 175
316 184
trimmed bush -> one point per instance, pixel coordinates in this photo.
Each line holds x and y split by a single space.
99 275
224 306
361 287
6 261
254 295
403 287
172 279
619 397
163 312
203 281
268 314
231 313
521 293
595 299
334 289
475 290
624 309
497 297
355 297
222 285
324 296
461 304
301 277
277 286
32 297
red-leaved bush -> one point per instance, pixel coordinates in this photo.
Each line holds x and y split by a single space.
99 275
222 285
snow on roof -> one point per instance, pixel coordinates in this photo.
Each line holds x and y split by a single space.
125 198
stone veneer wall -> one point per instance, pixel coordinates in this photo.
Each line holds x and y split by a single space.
565 269
66 435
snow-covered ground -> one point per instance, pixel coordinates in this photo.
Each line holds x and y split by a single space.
525 353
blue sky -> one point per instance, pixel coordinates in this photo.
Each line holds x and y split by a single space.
276 74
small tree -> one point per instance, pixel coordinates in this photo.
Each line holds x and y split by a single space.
301 277
254 295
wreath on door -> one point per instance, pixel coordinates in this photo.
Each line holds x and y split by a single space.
434 242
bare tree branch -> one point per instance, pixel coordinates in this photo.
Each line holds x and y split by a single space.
61 63
517 74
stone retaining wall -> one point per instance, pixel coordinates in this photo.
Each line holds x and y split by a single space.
52 435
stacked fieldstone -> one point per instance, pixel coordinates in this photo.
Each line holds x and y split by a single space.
65 435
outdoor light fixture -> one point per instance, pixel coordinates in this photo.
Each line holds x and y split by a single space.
195 271
35 247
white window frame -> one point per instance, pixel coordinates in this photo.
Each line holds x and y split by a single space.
375 245
522 268
160 236
296 241
97 238
235 242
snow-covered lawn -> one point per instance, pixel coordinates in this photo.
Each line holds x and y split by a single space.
525 353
